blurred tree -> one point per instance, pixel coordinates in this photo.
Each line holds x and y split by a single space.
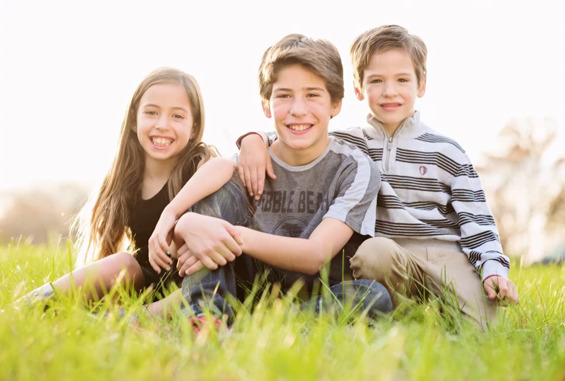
524 179
37 214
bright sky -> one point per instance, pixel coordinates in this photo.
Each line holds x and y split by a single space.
68 68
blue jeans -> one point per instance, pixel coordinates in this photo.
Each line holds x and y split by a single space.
209 289
359 295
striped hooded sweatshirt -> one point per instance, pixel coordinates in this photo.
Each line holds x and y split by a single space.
430 190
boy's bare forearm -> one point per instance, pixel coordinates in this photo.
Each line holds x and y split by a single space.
305 255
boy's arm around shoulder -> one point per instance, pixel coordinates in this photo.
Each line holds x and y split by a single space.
253 161
354 135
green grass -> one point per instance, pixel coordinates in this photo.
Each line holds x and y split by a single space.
276 342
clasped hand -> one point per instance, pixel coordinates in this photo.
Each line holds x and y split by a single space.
207 242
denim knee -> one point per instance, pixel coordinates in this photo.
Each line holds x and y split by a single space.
206 290
228 203
367 295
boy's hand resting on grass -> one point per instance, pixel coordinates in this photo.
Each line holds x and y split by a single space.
502 289
159 245
254 160
210 241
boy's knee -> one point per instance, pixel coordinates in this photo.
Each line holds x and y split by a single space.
376 297
228 203
365 295
375 258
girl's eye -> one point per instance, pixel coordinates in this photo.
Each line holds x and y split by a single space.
313 95
178 116
402 80
282 96
375 80
150 112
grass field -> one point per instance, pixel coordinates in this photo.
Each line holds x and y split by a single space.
276 342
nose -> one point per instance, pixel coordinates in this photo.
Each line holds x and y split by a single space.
389 88
161 121
298 106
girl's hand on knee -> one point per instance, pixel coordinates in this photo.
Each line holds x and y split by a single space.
254 160
160 256
502 289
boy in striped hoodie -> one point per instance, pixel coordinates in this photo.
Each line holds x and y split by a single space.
434 233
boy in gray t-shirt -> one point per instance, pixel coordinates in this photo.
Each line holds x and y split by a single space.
336 185
340 183
325 193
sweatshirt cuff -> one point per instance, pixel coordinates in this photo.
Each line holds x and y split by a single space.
261 134
493 267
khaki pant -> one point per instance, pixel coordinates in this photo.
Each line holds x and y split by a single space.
416 268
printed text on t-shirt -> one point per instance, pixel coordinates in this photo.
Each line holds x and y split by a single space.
292 202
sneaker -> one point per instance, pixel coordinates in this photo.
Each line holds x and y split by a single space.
40 295
200 322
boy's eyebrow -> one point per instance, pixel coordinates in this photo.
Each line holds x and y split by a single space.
315 88
312 88
369 74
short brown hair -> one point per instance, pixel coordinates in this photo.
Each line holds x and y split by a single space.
319 56
382 39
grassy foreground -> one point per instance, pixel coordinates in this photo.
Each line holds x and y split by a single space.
69 342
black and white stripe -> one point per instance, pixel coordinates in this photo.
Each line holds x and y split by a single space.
429 189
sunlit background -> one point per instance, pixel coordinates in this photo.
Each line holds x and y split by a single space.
68 70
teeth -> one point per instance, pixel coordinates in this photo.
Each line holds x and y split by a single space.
301 127
161 141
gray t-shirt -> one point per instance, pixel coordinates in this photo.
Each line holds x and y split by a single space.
342 183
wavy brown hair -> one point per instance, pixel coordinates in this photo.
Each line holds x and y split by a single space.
320 57
103 227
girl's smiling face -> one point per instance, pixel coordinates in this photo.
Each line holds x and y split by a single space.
164 122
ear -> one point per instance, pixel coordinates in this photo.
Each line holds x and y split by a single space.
336 108
266 108
422 88
358 92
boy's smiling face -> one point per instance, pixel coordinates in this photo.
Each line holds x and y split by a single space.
391 88
301 107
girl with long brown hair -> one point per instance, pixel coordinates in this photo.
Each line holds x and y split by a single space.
160 149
